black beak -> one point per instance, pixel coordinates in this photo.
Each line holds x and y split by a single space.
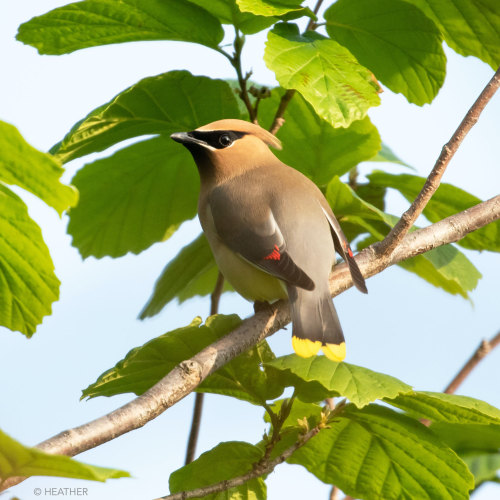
187 139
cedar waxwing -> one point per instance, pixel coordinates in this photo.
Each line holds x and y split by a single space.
271 230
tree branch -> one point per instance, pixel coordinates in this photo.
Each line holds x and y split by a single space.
200 396
407 220
483 349
185 377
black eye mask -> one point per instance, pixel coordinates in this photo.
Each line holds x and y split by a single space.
218 139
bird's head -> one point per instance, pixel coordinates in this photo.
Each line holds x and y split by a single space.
226 147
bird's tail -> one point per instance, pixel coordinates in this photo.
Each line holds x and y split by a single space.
315 324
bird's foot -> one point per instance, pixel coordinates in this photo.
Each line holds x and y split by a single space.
259 305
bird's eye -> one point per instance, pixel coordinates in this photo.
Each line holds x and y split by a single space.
225 140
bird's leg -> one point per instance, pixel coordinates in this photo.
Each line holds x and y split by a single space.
261 305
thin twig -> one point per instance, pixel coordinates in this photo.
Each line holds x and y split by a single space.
259 470
407 220
334 493
200 396
185 377
483 349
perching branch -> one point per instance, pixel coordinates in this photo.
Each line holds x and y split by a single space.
399 231
185 377
200 396
483 349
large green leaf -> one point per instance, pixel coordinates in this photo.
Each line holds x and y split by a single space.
227 12
37 172
225 461
101 22
19 460
313 146
134 198
440 407
191 272
143 366
395 40
323 71
270 7
317 378
376 453
444 267
470 27
171 102
387 155
28 285
447 200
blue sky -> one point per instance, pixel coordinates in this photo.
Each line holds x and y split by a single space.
403 327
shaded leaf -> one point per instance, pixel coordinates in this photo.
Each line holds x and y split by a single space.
227 12
171 102
143 366
225 461
387 155
101 22
313 146
19 460
440 407
191 272
447 200
134 198
470 27
39 173
377 453
469 438
28 285
318 378
484 466
323 71
395 40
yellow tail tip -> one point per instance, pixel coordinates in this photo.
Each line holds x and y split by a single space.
335 352
305 348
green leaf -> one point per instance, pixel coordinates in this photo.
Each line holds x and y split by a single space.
24 166
470 27
191 272
447 268
143 366
313 146
377 453
171 102
134 198
469 438
102 22
323 71
28 285
440 407
225 461
484 466
396 41
19 460
318 378
387 155
447 200
227 12
270 7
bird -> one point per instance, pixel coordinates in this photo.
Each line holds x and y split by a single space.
271 231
